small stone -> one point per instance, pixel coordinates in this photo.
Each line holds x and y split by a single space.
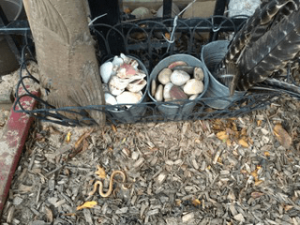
188 218
177 93
17 201
239 217
135 155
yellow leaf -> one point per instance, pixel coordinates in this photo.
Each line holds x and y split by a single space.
243 143
196 202
282 136
101 172
267 154
68 137
209 167
88 205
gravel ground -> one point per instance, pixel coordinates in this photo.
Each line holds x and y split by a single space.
223 171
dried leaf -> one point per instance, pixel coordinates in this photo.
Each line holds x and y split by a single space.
258 123
196 202
222 135
177 202
254 175
258 182
243 143
88 205
100 172
267 154
49 214
68 137
288 207
244 131
167 36
113 127
256 194
228 142
83 137
282 136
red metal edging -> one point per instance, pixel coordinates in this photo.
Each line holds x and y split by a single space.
11 144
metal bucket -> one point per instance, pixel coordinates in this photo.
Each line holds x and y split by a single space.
13 10
135 112
183 111
211 55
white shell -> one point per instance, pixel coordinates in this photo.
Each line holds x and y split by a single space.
164 76
129 97
117 61
193 97
136 85
193 87
106 70
141 12
167 89
198 74
110 99
130 61
117 85
159 93
179 77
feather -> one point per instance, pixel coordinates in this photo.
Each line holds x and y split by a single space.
267 41
271 52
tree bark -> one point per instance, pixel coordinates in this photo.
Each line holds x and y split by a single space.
66 54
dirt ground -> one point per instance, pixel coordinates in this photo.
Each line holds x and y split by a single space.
223 171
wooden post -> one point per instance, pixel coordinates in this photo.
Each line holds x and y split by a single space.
66 54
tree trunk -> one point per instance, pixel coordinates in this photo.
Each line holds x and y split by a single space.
66 54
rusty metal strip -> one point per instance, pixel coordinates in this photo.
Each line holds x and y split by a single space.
11 145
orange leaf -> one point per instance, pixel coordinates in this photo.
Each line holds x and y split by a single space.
88 205
282 136
196 202
101 172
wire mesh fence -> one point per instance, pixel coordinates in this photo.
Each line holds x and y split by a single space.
151 41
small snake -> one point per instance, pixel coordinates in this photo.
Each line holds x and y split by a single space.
110 189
